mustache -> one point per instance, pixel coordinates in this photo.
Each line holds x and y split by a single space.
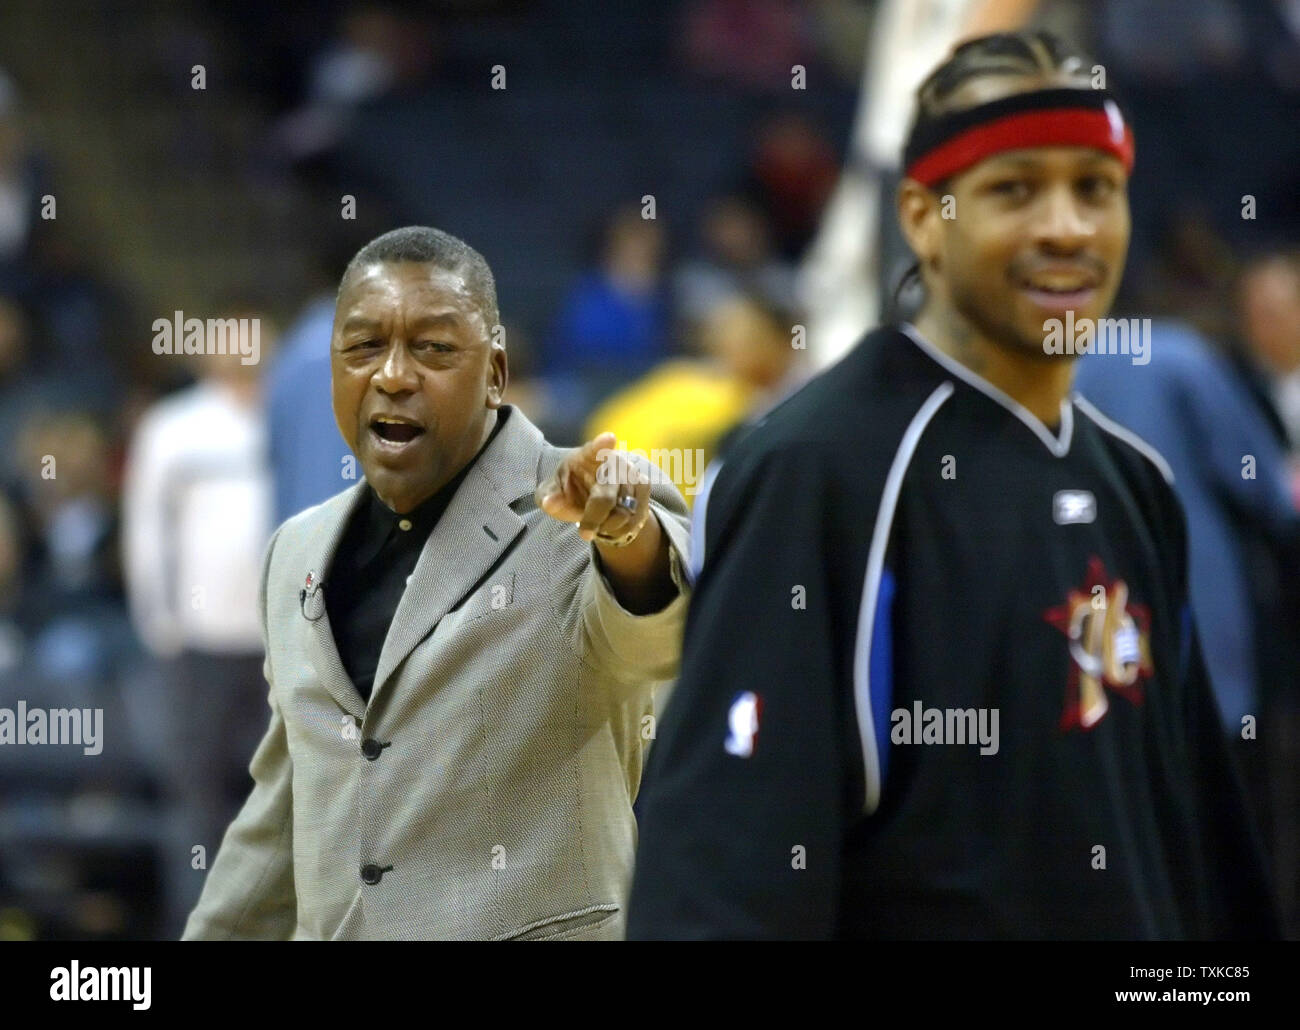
1030 267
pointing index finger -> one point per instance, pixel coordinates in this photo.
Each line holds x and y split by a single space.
587 462
589 454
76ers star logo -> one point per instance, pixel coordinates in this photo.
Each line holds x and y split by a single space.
1109 646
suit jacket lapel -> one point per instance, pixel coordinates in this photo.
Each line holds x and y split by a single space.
475 530
325 653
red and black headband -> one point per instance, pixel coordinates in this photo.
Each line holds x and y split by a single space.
1065 117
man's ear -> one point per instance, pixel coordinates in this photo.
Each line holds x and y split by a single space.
918 217
498 375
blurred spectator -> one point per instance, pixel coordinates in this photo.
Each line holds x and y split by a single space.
45 270
69 608
747 44
754 341
381 48
22 184
737 258
64 478
793 171
76 317
1269 301
1188 265
683 408
306 451
23 390
197 506
613 325
67 644
1270 308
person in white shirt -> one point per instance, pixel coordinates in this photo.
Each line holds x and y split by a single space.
197 514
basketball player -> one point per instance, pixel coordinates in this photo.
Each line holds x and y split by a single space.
940 678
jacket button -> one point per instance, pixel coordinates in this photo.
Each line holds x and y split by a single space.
371 873
371 748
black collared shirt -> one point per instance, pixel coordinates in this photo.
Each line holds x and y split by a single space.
375 558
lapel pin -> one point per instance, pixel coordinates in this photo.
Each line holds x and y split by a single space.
311 599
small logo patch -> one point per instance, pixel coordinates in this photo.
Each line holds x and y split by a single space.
1116 121
742 724
1109 646
1071 506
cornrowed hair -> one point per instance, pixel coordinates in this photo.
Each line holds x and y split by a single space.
1003 54
1037 55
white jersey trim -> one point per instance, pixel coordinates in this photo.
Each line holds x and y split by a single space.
871 586
1127 435
695 561
1058 445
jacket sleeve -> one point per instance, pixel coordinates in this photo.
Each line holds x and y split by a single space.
1236 895
639 648
249 892
742 804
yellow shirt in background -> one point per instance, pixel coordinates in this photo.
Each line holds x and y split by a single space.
674 415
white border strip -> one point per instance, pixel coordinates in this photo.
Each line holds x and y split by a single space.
1127 435
871 586
1059 446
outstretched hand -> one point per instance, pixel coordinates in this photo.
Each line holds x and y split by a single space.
601 490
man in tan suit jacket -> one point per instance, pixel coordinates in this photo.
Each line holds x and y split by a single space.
485 788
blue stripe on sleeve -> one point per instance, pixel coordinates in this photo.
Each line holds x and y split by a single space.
882 667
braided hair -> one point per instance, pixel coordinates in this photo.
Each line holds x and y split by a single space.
1027 55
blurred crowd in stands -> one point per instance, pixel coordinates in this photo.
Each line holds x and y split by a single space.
644 186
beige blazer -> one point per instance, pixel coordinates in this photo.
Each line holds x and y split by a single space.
486 790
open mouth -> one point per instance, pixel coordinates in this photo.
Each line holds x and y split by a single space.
395 431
